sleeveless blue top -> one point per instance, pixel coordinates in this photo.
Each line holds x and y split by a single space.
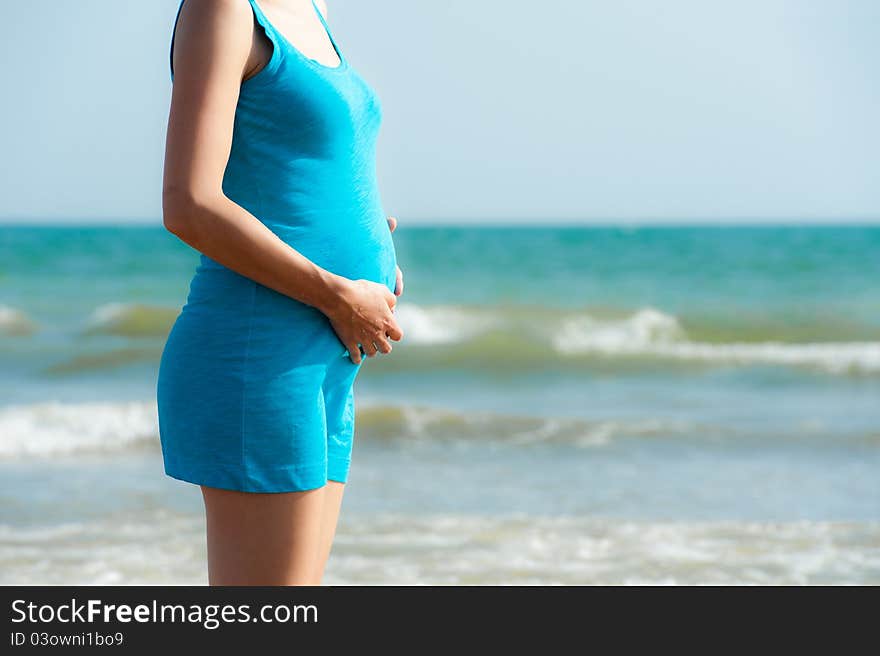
303 159
255 389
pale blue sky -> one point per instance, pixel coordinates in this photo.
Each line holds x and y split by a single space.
495 110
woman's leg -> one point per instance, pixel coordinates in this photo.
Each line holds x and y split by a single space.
263 538
330 516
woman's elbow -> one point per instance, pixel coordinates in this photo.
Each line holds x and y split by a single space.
180 210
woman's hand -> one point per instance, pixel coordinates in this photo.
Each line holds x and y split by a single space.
361 314
398 285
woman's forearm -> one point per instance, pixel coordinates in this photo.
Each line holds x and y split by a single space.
229 234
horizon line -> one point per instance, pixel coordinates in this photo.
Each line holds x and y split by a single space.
751 222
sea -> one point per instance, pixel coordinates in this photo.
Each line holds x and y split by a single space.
569 405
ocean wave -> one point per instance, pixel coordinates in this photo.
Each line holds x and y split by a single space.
523 338
520 339
649 333
443 324
644 329
158 546
131 320
53 428
15 323
103 360
413 422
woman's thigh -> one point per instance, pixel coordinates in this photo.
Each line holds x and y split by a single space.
264 538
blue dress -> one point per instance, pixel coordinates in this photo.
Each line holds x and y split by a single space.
255 390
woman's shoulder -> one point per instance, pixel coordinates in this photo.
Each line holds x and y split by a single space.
322 6
203 28
207 13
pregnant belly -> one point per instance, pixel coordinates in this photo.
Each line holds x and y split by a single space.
238 317
352 248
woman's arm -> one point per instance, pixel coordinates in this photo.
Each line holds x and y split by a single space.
212 53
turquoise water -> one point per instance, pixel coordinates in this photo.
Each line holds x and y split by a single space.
560 394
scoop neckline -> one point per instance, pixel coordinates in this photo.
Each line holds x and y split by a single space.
343 62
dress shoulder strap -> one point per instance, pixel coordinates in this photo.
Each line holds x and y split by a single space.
329 34
268 28
171 48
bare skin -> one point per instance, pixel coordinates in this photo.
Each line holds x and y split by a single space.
270 539
277 538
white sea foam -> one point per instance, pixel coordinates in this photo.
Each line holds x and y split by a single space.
158 546
646 328
45 429
109 313
14 322
650 333
441 324
834 357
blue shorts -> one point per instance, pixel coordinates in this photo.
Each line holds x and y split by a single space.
255 390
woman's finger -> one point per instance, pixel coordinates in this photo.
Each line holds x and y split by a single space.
369 349
393 331
398 285
392 223
382 344
354 352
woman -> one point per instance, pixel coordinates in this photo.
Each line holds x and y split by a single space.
270 173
